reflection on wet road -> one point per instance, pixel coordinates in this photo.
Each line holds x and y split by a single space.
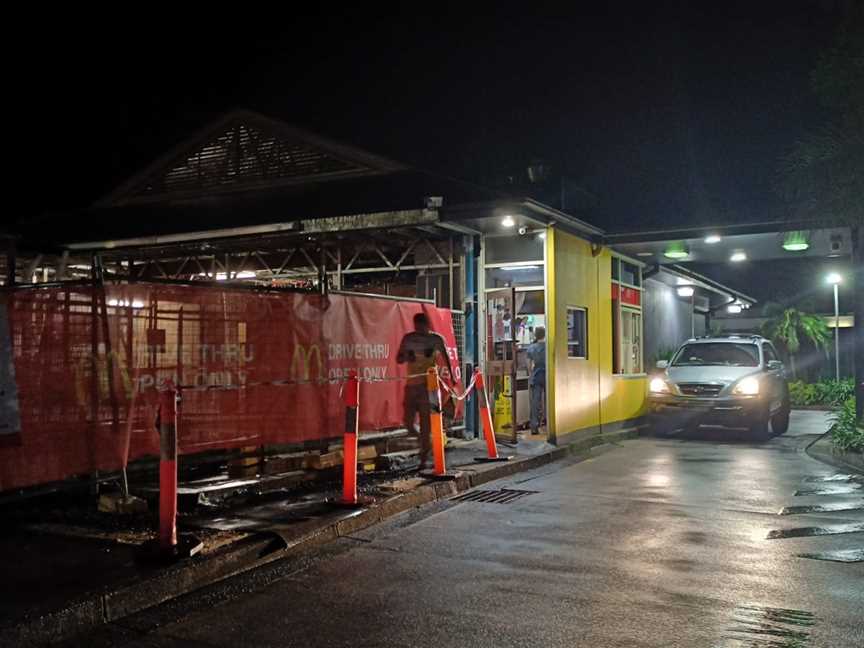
656 543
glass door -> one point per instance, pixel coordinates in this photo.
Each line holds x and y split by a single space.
501 331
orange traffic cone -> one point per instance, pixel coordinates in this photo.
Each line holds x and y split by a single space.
486 420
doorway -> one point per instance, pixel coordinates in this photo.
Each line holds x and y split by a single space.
513 311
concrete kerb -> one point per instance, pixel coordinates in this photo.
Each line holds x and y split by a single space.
822 450
255 552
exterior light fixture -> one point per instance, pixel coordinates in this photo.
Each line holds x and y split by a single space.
685 291
711 239
795 242
834 278
676 251
734 309
508 221
738 257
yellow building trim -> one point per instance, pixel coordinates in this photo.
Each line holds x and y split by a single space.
583 394
551 334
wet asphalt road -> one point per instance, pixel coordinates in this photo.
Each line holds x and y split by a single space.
660 542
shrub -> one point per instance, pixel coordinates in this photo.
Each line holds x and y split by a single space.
824 392
847 433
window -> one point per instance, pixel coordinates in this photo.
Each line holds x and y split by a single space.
627 344
577 332
630 274
631 341
720 354
768 352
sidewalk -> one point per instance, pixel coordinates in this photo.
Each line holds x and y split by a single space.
73 569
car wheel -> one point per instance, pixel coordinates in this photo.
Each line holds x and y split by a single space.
780 421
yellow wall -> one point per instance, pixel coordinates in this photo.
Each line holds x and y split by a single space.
584 394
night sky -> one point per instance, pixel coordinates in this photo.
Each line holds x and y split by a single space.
654 114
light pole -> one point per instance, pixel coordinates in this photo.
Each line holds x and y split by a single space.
834 279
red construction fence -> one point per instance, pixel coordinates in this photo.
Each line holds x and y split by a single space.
80 367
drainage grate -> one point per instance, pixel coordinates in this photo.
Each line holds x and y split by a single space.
503 496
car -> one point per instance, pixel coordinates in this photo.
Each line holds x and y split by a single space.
733 381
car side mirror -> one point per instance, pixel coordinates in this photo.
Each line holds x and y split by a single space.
662 364
775 365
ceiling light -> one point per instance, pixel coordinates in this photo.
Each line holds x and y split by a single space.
737 257
508 221
676 251
644 254
834 278
733 308
542 235
685 291
135 303
711 239
795 242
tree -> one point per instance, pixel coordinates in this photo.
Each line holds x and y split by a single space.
787 327
822 177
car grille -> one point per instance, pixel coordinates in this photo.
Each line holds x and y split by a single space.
700 389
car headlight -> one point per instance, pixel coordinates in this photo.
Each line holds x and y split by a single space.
747 387
658 386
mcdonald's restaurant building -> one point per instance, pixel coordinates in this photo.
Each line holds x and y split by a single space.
251 200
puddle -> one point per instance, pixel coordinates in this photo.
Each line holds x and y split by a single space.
830 490
756 626
840 555
831 478
822 508
806 532
703 460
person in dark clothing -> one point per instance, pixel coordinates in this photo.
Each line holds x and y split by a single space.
420 350
537 355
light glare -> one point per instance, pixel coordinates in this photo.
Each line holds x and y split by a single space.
747 387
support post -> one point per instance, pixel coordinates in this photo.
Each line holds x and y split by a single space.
469 295
168 469
836 332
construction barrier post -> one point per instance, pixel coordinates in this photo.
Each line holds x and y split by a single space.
168 468
435 423
352 427
486 420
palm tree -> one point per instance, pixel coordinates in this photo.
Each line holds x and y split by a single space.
787 327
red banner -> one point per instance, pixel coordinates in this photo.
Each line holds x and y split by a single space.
259 368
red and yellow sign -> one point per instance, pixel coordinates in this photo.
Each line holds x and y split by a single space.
259 368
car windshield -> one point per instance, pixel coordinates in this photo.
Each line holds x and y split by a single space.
726 354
